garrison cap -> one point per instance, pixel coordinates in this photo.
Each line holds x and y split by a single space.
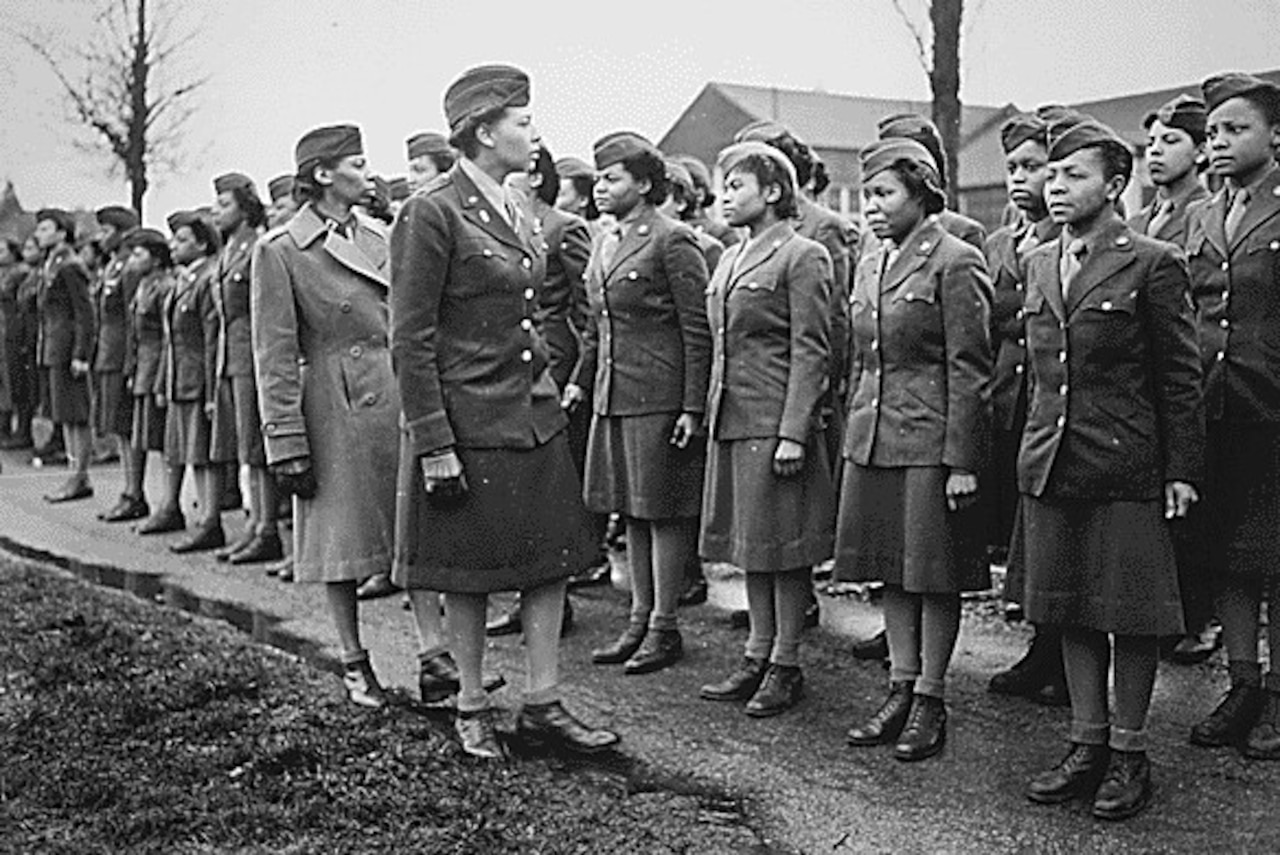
736 153
61 218
1186 112
697 170
483 89
1090 133
1223 87
882 154
398 188
117 215
1021 128
151 240
426 143
201 226
574 167
330 142
762 130
678 175
231 181
621 145
280 187
913 126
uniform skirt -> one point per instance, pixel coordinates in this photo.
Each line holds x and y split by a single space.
249 447
633 469
894 527
519 526
68 397
1242 499
222 428
760 522
186 434
113 405
148 430
1101 565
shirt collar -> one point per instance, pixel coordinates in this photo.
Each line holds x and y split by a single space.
492 191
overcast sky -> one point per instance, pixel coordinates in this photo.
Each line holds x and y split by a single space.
278 68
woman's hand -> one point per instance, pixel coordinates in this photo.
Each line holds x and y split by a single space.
788 458
209 409
1179 496
159 398
962 489
571 397
443 477
687 427
79 367
296 477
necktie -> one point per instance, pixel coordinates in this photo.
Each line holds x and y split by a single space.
609 245
1160 217
1236 213
1069 265
890 256
1029 242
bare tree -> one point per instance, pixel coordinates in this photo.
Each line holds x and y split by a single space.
126 82
942 64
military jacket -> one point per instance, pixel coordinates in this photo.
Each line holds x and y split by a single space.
65 310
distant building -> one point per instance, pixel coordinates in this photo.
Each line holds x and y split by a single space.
14 221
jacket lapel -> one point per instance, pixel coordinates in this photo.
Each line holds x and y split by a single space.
1264 205
913 255
636 238
349 255
759 251
1110 253
478 211
1215 215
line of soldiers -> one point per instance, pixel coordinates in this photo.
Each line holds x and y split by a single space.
1053 428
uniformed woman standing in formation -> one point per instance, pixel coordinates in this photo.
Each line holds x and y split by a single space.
18 303
916 439
329 403
1113 442
647 350
769 498
1233 248
502 510
146 320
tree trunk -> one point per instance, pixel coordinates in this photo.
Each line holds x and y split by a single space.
944 80
136 155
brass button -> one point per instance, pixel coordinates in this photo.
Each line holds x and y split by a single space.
1062 420
370 399
356 350
526 324
346 305
528 293
526 356
527 263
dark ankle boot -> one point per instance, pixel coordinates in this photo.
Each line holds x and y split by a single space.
1039 667
661 648
1231 721
925 732
1076 775
873 649
1264 739
622 648
779 691
886 724
1126 788
738 686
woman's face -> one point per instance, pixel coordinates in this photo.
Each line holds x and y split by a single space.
1171 153
184 247
281 210
891 211
513 139
745 202
31 250
617 191
1077 187
1025 175
350 180
227 215
569 199
140 260
421 170
1241 141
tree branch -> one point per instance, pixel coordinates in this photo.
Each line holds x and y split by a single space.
922 52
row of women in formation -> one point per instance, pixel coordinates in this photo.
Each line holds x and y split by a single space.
770 393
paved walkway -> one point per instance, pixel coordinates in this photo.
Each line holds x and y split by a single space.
807 791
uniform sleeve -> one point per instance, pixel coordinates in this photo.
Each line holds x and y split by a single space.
274 327
575 252
1171 320
584 372
686 272
420 252
809 301
209 324
966 313
77 282
838 238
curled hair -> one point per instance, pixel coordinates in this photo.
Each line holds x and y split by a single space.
802 158
442 160
687 201
305 186
921 184
650 165
582 185
544 166
1117 160
464 138
250 205
768 172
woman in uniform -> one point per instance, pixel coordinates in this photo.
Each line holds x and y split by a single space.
10 275
20 286
916 439
1113 440
647 349
1233 248
768 503
486 430
429 154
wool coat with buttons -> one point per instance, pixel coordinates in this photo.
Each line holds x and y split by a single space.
562 300
1174 229
65 310
1115 409
146 332
1008 327
111 300
922 348
1236 285
770 318
190 333
647 344
326 390
471 365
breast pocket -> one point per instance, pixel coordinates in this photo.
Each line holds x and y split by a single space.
918 290
479 264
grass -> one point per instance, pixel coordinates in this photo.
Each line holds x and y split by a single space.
127 727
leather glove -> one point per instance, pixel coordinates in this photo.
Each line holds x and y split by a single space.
296 476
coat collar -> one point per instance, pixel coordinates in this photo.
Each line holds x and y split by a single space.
915 251
755 252
481 213
1264 203
1109 251
636 237
307 225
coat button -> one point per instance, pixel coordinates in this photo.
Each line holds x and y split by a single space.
527 263
1018 315
1062 421
875 402
1022 342
526 356
370 399
1222 354
356 351
633 276
487 253
1017 369
528 293
346 305
1062 390
1224 323
1106 306
526 324
875 344
1226 265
